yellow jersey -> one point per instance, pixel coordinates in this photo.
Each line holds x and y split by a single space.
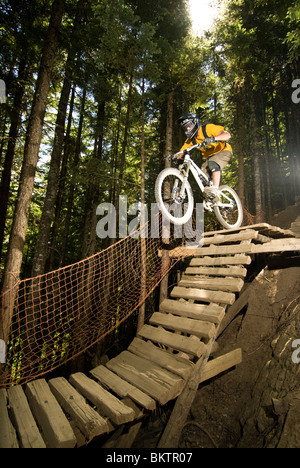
214 148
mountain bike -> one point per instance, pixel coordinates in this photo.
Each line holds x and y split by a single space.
175 199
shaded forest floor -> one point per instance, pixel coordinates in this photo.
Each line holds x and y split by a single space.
256 404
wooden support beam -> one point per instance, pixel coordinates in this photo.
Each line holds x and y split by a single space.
171 434
221 364
235 309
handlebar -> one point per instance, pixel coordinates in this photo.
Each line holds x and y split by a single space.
205 142
171 157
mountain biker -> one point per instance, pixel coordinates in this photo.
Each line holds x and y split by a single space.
217 151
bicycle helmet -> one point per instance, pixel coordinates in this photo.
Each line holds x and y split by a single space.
190 124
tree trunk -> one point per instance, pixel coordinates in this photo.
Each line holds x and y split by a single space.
124 148
165 261
89 230
10 151
72 188
31 151
257 159
62 183
125 138
241 142
169 131
41 249
141 317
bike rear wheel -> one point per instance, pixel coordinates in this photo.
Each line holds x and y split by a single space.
229 211
175 201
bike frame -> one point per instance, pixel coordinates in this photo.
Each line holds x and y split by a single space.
189 165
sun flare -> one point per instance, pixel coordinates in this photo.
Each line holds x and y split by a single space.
203 13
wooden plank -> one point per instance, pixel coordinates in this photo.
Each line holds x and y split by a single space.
234 271
177 342
221 284
122 388
263 228
204 295
90 423
152 379
229 237
224 250
171 362
278 245
51 419
210 313
106 403
275 231
185 325
179 252
214 261
8 437
28 432
221 364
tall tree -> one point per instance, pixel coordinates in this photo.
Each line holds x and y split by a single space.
31 151
11 145
41 248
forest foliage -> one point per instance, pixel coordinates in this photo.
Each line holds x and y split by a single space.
95 87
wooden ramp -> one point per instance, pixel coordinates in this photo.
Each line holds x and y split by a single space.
166 353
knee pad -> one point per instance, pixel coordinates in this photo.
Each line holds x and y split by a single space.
213 166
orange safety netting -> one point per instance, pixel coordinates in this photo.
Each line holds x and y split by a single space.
48 320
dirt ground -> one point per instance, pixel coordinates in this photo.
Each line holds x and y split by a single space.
240 407
255 404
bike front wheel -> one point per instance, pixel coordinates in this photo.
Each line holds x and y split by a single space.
229 210
174 196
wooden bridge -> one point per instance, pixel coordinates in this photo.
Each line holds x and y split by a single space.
176 345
